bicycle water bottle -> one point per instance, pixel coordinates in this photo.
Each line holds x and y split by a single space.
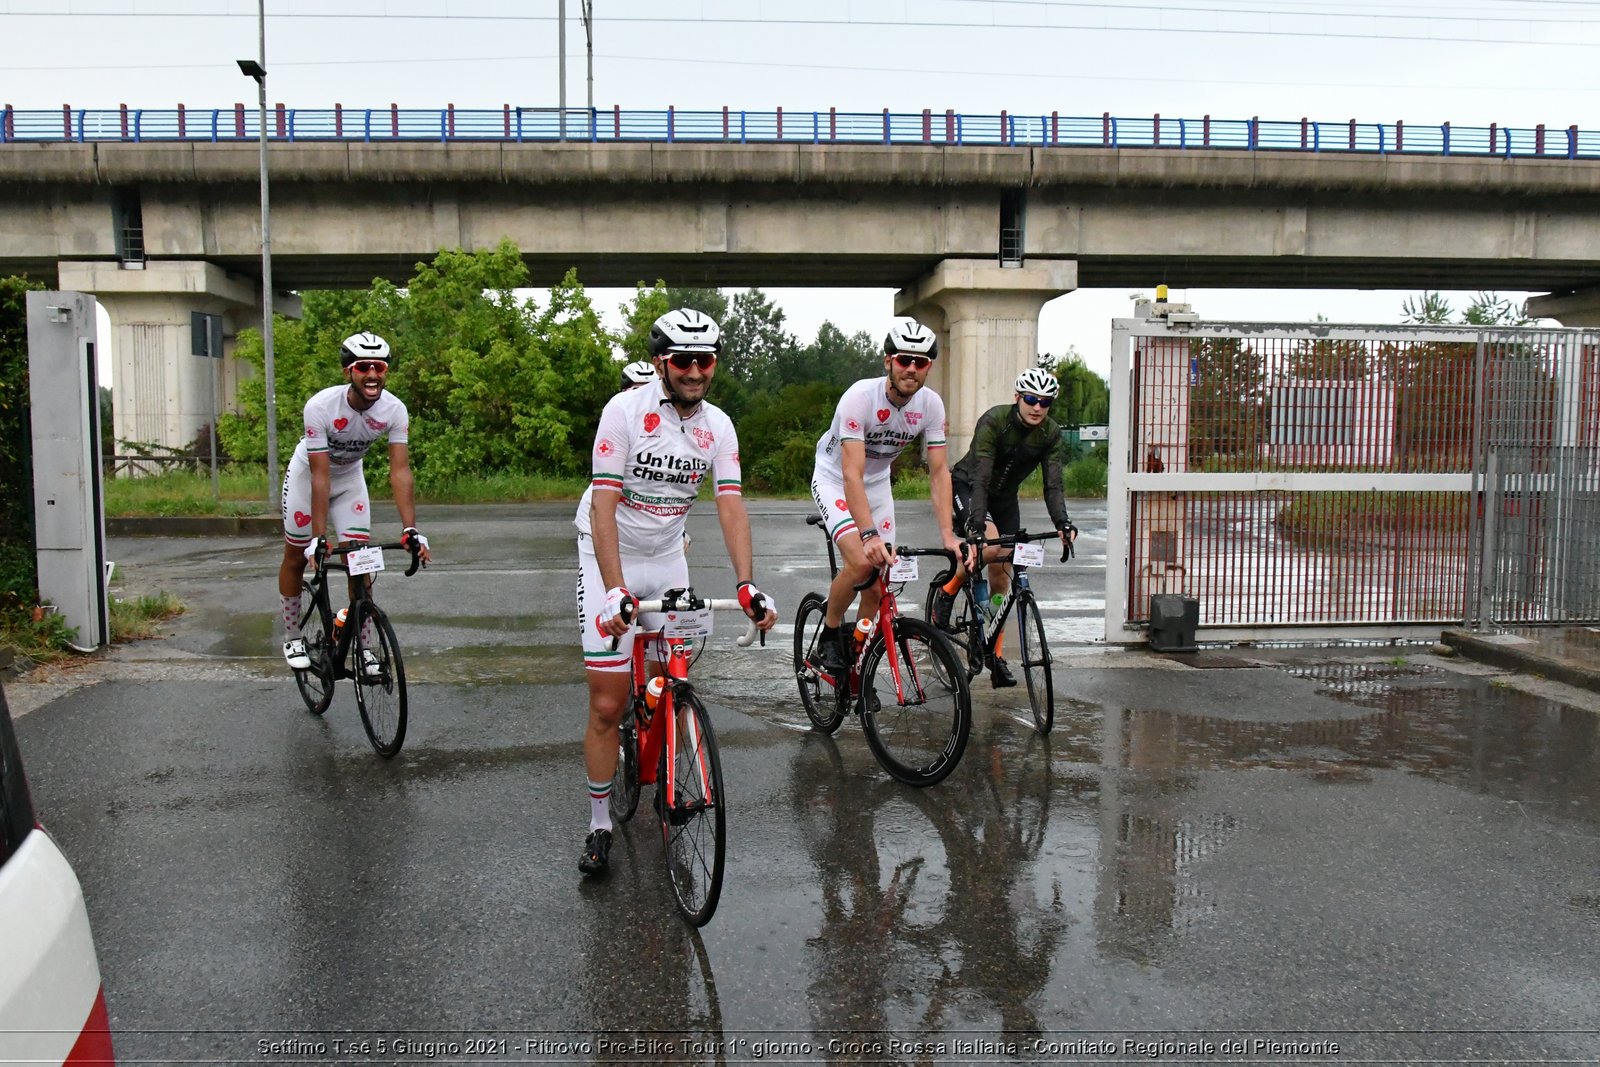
652 693
995 600
982 599
863 631
339 621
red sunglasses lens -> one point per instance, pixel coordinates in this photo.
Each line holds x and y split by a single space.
370 366
913 361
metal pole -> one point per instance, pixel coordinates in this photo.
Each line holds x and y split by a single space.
266 281
211 358
588 33
561 38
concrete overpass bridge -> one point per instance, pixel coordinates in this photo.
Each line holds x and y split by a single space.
978 221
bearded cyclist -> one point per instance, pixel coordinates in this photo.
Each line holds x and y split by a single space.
875 420
656 446
1010 441
324 489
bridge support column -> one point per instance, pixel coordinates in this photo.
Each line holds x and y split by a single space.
161 391
987 318
1572 309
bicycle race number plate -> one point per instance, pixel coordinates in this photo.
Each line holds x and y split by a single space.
903 569
364 561
688 623
1028 554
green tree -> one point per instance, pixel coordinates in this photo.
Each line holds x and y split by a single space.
835 359
1227 404
18 576
756 347
1085 398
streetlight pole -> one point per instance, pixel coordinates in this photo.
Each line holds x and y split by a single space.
561 65
257 69
588 33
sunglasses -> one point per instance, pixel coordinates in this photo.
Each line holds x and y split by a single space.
919 362
370 366
685 360
1038 401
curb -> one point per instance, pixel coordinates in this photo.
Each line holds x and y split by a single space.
1522 654
194 526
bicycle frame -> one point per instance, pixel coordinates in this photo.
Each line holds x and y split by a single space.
318 586
991 624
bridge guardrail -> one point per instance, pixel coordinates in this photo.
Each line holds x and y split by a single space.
831 127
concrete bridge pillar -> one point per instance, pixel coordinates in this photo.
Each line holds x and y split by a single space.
1581 308
161 391
987 318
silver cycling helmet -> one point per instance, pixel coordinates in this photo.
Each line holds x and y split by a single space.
639 372
1038 381
909 336
363 346
684 330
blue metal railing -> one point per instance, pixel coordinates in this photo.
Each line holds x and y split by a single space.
831 127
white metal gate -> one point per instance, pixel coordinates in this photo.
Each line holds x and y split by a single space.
1312 482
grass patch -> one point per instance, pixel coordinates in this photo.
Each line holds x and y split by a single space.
496 487
34 633
135 620
242 490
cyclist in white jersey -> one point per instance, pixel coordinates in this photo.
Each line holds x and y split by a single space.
324 489
655 447
874 422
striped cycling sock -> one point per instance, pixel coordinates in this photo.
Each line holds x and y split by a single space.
599 805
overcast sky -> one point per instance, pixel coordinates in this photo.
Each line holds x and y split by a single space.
1512 62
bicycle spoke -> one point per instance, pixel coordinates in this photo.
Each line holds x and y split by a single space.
915 703
693 817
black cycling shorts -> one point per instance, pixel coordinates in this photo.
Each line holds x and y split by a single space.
1005 514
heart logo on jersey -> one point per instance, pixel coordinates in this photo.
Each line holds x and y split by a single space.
302 519
339 424
883 414
651 421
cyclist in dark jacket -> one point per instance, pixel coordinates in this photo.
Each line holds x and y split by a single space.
1009 442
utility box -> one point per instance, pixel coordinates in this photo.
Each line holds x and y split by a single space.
68 501
1174 618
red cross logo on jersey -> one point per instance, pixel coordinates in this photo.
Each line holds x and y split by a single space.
360 507
604 448
885 525
852 425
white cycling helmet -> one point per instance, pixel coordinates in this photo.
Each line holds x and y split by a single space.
1038 381
363 346
684 330
639 372
909 336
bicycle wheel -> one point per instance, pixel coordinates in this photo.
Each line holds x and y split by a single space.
918 728
824 701
380 689
693 828
1036 662
316 682
960 627
625 780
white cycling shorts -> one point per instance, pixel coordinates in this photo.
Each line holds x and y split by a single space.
829 498
646 577
349 510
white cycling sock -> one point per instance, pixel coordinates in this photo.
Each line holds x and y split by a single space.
291 617
599 806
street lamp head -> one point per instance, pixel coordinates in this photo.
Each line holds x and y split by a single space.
251 69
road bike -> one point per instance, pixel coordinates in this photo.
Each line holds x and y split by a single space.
673 745
977 623
910 692
363 649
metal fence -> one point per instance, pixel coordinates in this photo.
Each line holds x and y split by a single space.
1353 482
831 126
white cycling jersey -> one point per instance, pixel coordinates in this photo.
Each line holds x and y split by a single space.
657 461
345 434
865 413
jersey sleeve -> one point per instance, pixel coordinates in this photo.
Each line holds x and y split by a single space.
610 454
725 462
937 428
855 413
318 426
400 425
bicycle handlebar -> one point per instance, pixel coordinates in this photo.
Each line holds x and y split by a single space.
1020 536
416 555
655 607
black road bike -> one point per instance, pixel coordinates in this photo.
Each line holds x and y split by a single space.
976 624
364 649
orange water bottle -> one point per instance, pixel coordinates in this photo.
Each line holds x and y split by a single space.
863 629
652 695
338 622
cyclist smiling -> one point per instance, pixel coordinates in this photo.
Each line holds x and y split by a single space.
1009 442
875 420
324 485
655 446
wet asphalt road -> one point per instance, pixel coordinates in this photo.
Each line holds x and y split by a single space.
1395 854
